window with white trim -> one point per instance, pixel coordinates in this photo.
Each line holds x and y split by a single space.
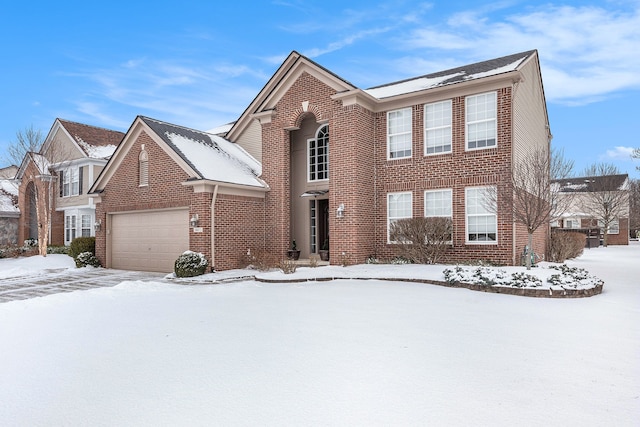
481 126
143 168
399 134
437 127
318 155
571 223
85 230
614 226
438 203
69 228
70 182
482 221
399 206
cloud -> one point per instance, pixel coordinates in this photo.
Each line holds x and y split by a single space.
586 52
620 153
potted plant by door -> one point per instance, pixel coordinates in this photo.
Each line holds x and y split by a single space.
293 253
324 252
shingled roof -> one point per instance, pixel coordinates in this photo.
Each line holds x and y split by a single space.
452 76
211 156
588 184
89 138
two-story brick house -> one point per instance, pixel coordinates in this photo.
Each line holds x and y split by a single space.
71 157
340 164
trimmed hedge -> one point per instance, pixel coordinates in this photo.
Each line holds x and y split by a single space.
190 264
82 244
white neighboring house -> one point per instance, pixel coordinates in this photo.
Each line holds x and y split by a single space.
596 200
76 153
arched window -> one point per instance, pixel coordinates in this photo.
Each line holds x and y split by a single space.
143 168
318 155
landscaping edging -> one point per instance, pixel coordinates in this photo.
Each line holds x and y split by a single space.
554 292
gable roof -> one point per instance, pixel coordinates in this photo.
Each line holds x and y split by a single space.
39 161
91 141
288 72
95 142
8 197
589 184
211 156
203 156
461 74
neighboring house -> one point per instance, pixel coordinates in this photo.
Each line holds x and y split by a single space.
332 163
9 211
594 201
71 157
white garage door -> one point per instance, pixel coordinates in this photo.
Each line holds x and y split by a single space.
149 240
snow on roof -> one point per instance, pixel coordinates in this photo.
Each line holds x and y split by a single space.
456 75
41 162
8 196
96 151
216 159
222 129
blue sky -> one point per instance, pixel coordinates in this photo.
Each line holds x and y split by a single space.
200 63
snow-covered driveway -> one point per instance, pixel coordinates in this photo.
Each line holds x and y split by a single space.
64 280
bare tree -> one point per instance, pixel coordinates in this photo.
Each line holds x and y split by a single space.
29 144
534 199
636 155
27 141
607 196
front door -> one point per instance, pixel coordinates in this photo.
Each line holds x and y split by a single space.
319 224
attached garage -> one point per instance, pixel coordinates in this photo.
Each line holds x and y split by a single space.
148 240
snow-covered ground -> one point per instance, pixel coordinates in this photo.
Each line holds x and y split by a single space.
344 352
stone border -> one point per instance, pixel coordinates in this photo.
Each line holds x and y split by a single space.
557 292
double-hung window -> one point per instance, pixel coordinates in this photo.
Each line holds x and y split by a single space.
69 228
70 182
614 226
481 126
437 127
399 134
318 155
399 206
86 225
482 220
437 204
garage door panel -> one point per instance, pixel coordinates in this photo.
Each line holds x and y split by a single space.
149 240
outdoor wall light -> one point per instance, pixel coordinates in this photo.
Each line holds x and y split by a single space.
340 211
97 225
193 222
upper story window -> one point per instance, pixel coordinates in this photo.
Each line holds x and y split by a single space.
437 127
71 181
399 134
482 220
481 123
399 206
318 155
143 168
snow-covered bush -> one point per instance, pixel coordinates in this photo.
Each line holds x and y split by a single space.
572 277
190 264
489 277
80 245
87 259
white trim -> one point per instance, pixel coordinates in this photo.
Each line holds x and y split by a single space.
439 127
390 218
406 110
484 213
476 121
326 148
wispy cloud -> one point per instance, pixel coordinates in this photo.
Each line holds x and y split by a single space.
619 153
586 52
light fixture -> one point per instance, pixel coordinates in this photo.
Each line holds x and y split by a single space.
97 225
340 211
193 222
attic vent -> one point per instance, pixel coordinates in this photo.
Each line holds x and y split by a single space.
143 168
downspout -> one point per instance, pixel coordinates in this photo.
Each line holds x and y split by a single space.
514 248
213 223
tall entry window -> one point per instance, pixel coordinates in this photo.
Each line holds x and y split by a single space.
318 155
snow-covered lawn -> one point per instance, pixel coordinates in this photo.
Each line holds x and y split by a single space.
344 352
